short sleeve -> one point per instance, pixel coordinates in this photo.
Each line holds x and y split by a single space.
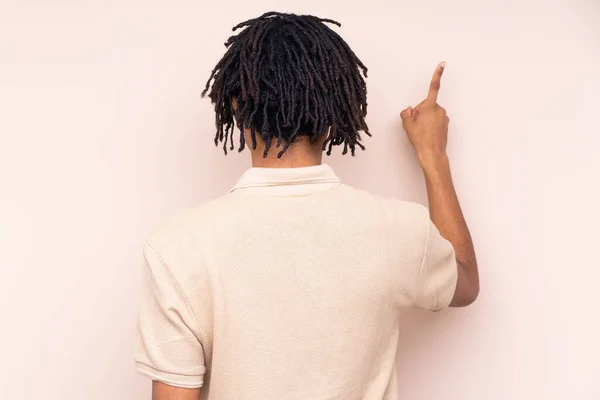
438 273
166 348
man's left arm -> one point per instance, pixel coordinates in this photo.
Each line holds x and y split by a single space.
166 344
162 391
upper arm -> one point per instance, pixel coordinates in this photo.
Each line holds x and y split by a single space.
438 278
162 391
443 281
166 345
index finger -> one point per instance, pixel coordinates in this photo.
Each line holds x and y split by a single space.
434 86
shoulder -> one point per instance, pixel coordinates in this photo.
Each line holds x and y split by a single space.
393 207
188 228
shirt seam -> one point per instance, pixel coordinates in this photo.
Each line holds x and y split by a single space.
423 258
170 373
179 288
241 193
284 183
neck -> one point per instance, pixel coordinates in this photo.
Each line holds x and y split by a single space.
286 161
300 154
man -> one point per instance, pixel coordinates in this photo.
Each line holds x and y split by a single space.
289 286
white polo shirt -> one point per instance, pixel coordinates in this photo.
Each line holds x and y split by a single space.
288 288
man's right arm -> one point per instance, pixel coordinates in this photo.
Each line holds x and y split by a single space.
427 128
447 216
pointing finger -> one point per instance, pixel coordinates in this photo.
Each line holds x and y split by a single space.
434 87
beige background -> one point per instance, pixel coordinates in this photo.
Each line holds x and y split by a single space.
104 133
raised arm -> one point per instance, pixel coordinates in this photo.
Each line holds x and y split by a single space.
427 128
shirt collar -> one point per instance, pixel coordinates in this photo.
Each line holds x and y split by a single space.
277 177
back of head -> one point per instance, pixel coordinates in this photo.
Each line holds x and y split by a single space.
285 76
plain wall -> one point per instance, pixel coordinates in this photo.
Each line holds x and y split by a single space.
104 134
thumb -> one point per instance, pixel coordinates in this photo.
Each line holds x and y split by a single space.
406 114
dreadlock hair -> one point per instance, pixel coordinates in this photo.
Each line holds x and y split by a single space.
291 76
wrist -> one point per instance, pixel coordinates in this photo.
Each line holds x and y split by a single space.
433 160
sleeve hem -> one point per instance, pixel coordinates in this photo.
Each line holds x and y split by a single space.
182 381
448 300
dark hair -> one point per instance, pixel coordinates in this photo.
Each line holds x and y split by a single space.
291 75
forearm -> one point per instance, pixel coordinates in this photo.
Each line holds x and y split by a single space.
447 215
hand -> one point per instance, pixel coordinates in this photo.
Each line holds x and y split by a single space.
426 125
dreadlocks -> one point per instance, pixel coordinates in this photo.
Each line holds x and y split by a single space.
290 75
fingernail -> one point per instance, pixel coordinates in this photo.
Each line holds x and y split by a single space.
443 65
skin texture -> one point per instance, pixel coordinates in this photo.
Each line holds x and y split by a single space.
161 391
300 154
427 128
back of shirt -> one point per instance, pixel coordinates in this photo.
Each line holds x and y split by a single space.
288 287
